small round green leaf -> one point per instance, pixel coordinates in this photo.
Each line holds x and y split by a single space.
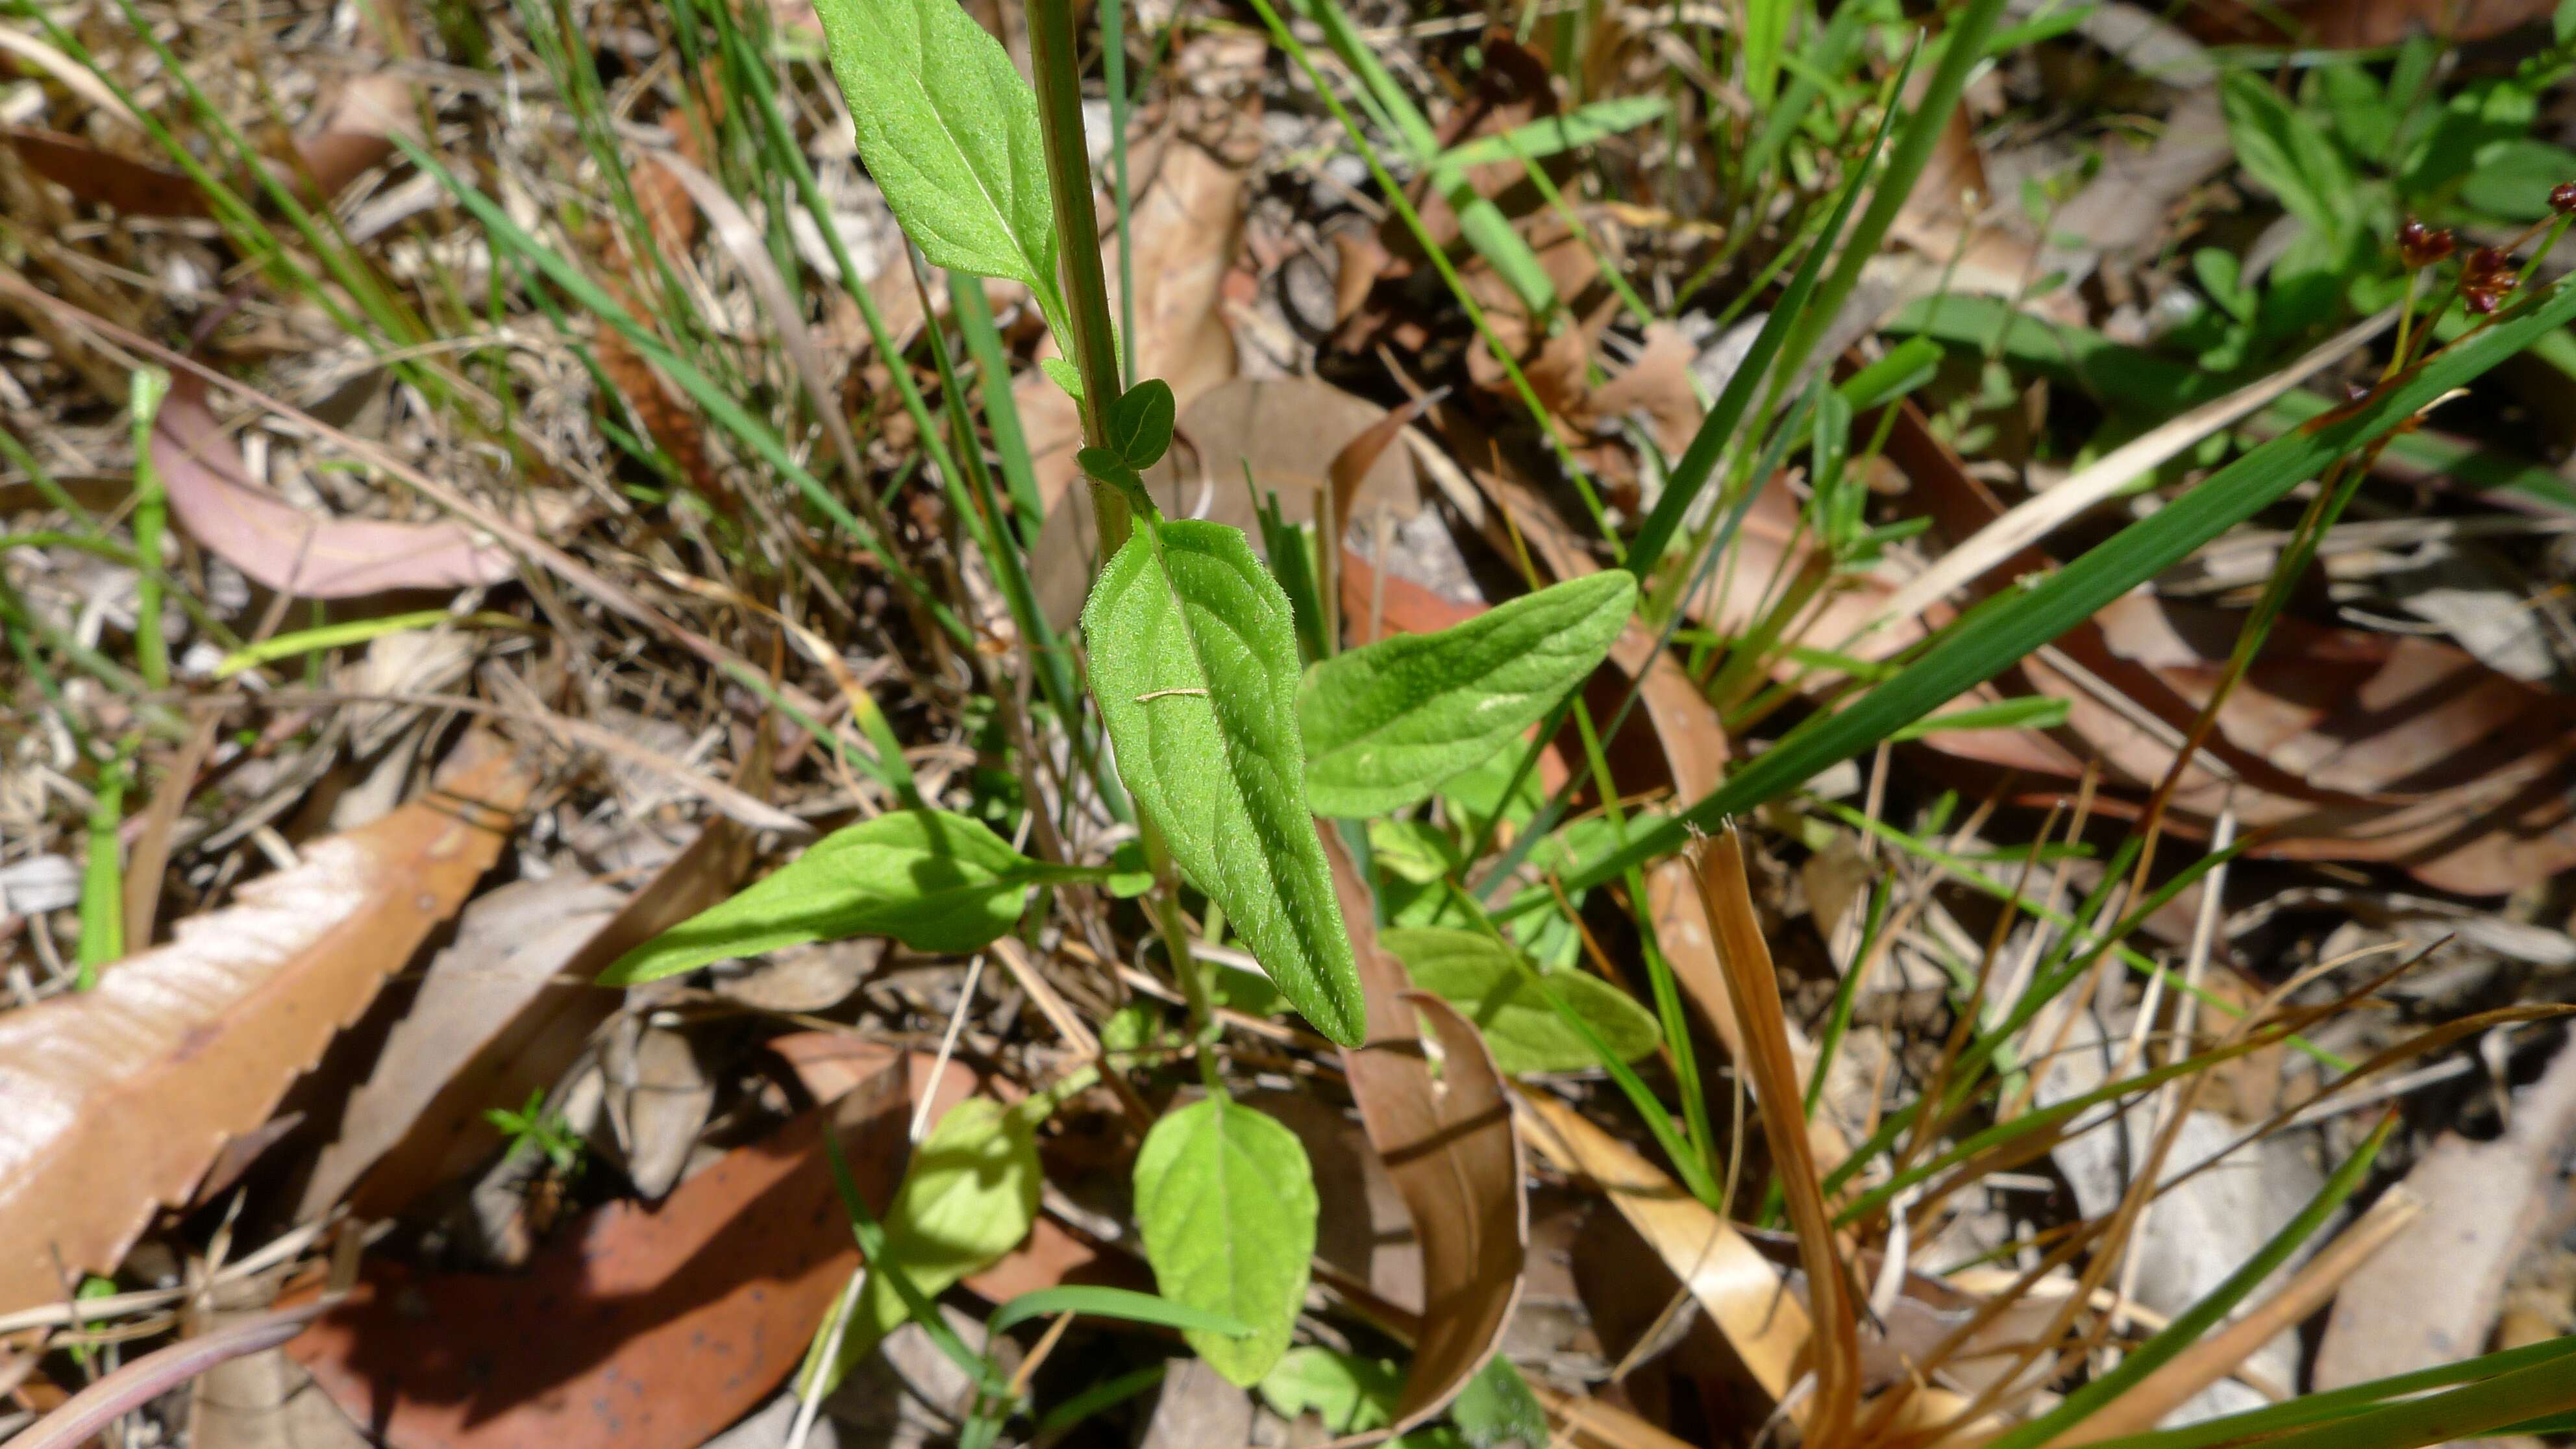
1226 1204
1140 426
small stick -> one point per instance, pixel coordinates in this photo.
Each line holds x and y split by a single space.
84 1414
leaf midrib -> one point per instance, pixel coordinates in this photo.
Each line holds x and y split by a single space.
1224 737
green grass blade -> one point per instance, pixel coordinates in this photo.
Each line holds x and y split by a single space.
1992 639
2558 1354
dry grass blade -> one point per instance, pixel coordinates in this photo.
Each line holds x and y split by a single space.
120 1097
2215 1357
749 248
2121 468
1753 987
81 1418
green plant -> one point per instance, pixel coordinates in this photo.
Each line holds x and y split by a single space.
532 1128
1234 721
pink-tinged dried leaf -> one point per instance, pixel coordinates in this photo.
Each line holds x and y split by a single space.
637 1328
123 185
1449 1144
282 546
119 1098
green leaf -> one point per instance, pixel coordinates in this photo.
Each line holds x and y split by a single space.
1503 996
1064 374
1412 851
1349 1393
934 880
968 1198
1140 426
1194 663
1497 1407
2288 154
950 133
1386 724
1554 135
1225 1202
2514 178
1989 639
1102 1302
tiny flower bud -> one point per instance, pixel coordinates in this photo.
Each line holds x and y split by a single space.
2482 303
2420 245
2486 263
2562 198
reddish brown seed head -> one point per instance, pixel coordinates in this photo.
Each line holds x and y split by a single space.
2562 198
2420 245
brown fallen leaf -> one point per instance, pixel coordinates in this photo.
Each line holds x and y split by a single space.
641 1328
354 130
120 1097
2340 744
1449 1144
2360 24
99 177
285 548
1731 1278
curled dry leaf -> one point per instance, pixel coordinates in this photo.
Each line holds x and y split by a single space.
355 130
640 1328
1449 1144
120 1097
282 546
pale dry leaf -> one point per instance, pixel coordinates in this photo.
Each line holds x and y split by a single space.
120 1097
489 1029
284 547
2432 1297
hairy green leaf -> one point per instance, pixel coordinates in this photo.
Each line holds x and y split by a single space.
1502 994
1386 724
1194 663
968 1198
950 132
934 880
1226 1204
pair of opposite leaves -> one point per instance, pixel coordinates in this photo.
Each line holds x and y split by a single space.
1228 751
1194 660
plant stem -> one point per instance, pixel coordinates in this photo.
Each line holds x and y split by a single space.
1093 346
